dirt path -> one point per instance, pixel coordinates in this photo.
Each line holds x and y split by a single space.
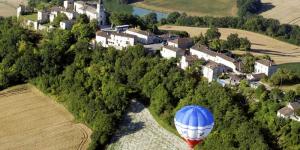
30 120
139 131
280 52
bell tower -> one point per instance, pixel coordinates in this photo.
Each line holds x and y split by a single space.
101 13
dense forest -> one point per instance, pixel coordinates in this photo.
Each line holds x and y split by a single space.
96 85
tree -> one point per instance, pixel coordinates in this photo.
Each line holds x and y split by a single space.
245 44
233 41
60 17
212 34
276 94
259 91
28 65
160 100
216 44
172 17
123 18
83 31
290 96
201 40
248 62
150 19
115 97
283 76
82 19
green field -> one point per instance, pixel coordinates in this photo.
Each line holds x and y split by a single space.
192 7
292 66
115 6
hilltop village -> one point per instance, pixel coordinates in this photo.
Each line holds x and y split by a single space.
170 46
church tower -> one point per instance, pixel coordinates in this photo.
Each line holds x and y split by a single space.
101 13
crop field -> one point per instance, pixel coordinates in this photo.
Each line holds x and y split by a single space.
140 131
286 11
8 7
192 7
31 120
280 52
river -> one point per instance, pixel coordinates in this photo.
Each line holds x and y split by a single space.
142 12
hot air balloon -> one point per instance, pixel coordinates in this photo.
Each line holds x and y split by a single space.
193 123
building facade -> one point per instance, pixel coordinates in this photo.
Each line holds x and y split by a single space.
171 52
264 66
115 39
143 37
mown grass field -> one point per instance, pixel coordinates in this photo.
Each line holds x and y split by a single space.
192 7
280 52
8 7
31 120
286 11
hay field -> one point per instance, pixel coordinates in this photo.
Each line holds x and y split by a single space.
192 7
280 52
286 11
31 120
8 7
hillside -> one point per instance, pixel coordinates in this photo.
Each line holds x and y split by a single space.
280 51
192 7
283 10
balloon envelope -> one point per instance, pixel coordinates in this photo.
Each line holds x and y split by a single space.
193 123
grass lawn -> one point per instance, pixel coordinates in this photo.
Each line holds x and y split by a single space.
115 6
289 87
192 7
292 66
32 17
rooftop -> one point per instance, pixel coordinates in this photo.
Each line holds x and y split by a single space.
147 33
294 105
212 65
123 34
204 49
102 33
181 41
286 111
107 34
175 49
226 57
258 76
265 62
191 58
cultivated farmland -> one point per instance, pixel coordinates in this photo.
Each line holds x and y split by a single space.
31 120
192 7
280 52
286 11
8 7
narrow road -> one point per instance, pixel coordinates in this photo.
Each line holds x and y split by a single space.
139 131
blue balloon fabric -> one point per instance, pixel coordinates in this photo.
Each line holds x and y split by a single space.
194 122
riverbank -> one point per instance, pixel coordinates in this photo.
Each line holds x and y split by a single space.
193 7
